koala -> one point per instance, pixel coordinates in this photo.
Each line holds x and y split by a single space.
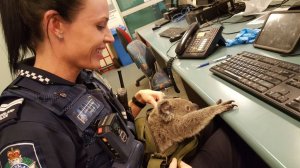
175 119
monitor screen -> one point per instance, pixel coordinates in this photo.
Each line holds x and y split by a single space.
174 3
280 32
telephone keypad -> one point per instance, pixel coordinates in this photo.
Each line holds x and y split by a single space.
199 45
203 43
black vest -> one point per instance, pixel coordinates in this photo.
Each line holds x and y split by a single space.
83 104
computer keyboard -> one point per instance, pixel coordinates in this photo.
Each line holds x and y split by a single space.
274 81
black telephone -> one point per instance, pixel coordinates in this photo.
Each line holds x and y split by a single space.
198 44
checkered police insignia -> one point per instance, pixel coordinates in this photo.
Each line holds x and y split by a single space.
34 76
19 155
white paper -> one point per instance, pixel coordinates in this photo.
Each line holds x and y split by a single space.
261 19
254 7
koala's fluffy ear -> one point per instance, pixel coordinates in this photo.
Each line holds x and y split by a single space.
165 110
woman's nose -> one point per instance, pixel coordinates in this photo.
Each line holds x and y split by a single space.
109 38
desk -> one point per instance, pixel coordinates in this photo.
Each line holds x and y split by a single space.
274 135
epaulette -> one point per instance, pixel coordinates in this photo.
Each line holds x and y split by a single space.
9 107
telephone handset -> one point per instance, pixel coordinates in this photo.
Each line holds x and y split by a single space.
186 38
198 44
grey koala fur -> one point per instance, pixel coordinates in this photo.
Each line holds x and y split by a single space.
175 119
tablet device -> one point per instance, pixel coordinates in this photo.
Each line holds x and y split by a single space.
172 32
280 32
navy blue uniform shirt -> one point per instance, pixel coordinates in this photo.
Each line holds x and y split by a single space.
32 135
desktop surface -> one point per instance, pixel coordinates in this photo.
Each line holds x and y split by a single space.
274 135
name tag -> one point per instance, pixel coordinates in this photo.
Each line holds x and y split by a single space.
84 111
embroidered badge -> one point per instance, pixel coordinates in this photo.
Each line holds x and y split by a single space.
9 109
20 155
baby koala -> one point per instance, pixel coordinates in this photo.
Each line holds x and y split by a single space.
175 119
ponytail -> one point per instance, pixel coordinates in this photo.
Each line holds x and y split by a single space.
21 21
15 32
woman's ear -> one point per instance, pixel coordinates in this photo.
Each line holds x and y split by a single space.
53 24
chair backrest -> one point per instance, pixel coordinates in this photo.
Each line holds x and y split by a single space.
145 60
124 37
142 57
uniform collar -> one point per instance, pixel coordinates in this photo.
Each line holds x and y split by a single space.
27 70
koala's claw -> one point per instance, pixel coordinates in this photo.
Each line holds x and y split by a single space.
226 106
219 101
231 106
227 102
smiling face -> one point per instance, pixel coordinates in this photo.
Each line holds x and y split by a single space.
85 37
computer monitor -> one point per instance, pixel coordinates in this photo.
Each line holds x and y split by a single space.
280 32
174 3
202 2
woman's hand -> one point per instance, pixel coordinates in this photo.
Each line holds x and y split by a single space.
173 164
146 96
149 96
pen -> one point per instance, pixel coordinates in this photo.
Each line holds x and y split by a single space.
214 61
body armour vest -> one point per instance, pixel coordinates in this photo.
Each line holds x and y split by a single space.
84 104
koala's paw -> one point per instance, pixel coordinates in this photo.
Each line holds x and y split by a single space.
226 106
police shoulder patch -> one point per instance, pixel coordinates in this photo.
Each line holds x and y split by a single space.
19 155
9 107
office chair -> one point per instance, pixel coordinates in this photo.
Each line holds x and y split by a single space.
144 59
124 37
125 40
